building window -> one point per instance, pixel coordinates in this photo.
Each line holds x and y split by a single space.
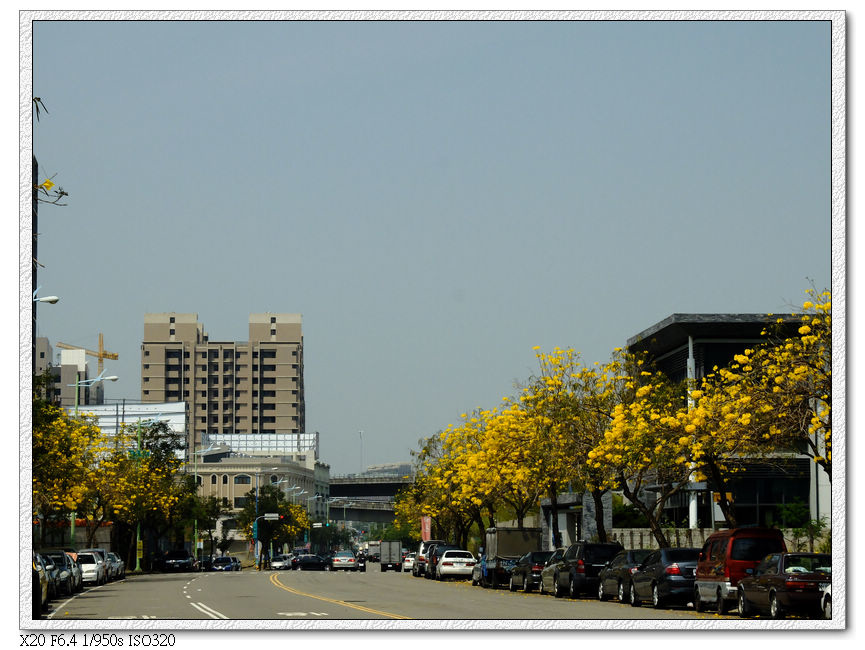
225 479
242 480
240 502
213 479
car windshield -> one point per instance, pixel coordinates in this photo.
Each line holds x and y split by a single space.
754 549
808 564
177 555
541 556
463 554
344 554
86 559
222 560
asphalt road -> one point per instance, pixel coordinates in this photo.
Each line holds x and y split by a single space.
314 595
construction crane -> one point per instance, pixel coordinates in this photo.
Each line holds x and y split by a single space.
100 355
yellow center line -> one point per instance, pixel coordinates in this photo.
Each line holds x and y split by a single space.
274 579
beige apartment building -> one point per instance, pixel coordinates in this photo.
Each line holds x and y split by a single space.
231 387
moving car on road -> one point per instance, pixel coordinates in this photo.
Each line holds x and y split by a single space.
223 563
310 563
344 560
179 560
408 562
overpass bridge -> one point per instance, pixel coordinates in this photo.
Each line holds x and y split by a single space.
371 497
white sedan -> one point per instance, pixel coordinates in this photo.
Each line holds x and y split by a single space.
455 564
408 562
92 568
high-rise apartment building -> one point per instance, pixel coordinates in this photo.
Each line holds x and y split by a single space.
249 387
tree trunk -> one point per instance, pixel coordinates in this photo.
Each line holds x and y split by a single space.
597 497
648 513
554 516
727 507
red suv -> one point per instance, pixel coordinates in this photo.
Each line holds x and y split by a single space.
726 557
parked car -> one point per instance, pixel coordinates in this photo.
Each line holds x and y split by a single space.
577 570
281 562
615 578
826 601
205 563
408 562
786 583
665 576
526 574
92 568
310 562
101 558
117 565
236 562
223 563
454 563
419 567
52 570
40 586
434 556
547 582
725 559
344 560
77 580
64 578
178 560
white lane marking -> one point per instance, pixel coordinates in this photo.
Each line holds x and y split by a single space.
212 613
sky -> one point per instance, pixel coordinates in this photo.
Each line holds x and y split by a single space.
435 198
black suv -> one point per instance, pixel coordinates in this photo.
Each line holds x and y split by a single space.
578 570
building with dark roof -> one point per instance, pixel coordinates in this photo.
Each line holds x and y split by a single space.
686 346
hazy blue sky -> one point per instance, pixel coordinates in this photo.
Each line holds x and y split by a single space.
434 198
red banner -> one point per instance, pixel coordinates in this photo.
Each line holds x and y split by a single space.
425 528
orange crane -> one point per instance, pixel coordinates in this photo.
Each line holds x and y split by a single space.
100 355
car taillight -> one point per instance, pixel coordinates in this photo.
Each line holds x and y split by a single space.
581 567
632 570
447 563
537 567
673 570
799 583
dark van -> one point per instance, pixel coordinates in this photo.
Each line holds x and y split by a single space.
726 558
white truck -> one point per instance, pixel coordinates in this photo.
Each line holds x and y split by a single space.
391 555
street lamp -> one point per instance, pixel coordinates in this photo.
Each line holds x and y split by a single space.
77 384
89 382
255 523
49 299
195 455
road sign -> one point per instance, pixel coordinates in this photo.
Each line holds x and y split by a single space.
318 525
271 516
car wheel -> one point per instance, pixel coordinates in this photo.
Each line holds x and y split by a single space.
557 590
744 608
511 585
656 597
602 595
699 605
775 610
541 589
635 602
827 607
622 593
327 567
720 604
572 588
527 585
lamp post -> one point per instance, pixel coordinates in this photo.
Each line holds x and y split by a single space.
255 523
195 455
78 383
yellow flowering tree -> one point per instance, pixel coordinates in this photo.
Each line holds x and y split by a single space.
644 451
